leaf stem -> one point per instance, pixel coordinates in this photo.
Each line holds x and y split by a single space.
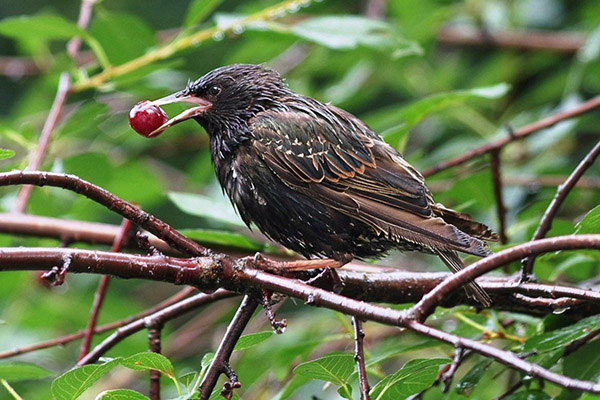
183 43
10 390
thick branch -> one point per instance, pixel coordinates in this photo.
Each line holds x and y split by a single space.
126 227
427 304
207 271
209 274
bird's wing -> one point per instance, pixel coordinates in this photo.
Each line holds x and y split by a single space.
341 163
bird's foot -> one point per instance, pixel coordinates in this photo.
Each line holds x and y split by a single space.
56 276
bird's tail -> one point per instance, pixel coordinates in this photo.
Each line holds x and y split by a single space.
453 261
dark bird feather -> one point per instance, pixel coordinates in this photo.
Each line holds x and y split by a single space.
316 179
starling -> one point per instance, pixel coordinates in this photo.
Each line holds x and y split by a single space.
315 178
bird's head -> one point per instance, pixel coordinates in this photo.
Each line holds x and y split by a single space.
227 97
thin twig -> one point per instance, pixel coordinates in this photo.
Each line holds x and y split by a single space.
563 42
510 390
359 357
221 359
561 194
519 134
590 182
375 9
448 375
154 346
126 226
500 207
166 314
60 341
577 344
62 93
85 14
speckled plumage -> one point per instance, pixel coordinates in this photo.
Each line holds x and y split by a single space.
316 179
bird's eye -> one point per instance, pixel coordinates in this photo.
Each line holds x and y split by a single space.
214 91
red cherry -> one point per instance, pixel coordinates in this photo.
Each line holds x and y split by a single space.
145 117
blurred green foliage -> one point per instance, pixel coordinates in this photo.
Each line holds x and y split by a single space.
431 100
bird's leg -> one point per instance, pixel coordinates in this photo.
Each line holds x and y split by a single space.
302 265
298 265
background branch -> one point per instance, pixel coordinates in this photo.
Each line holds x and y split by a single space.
516 135
561 194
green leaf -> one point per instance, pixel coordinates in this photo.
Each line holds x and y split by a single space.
343 32
335 368
122 36
39 27
121 394
5 153
23 371
589 396
590 223
206 360
468 382
199 10
409 116
188 379
252 339
401 349
415 376
294 384
203 206
534 394
222 238
148 360
73 383
84 121
561 337
584 363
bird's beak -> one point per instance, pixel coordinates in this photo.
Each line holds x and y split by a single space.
202 105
